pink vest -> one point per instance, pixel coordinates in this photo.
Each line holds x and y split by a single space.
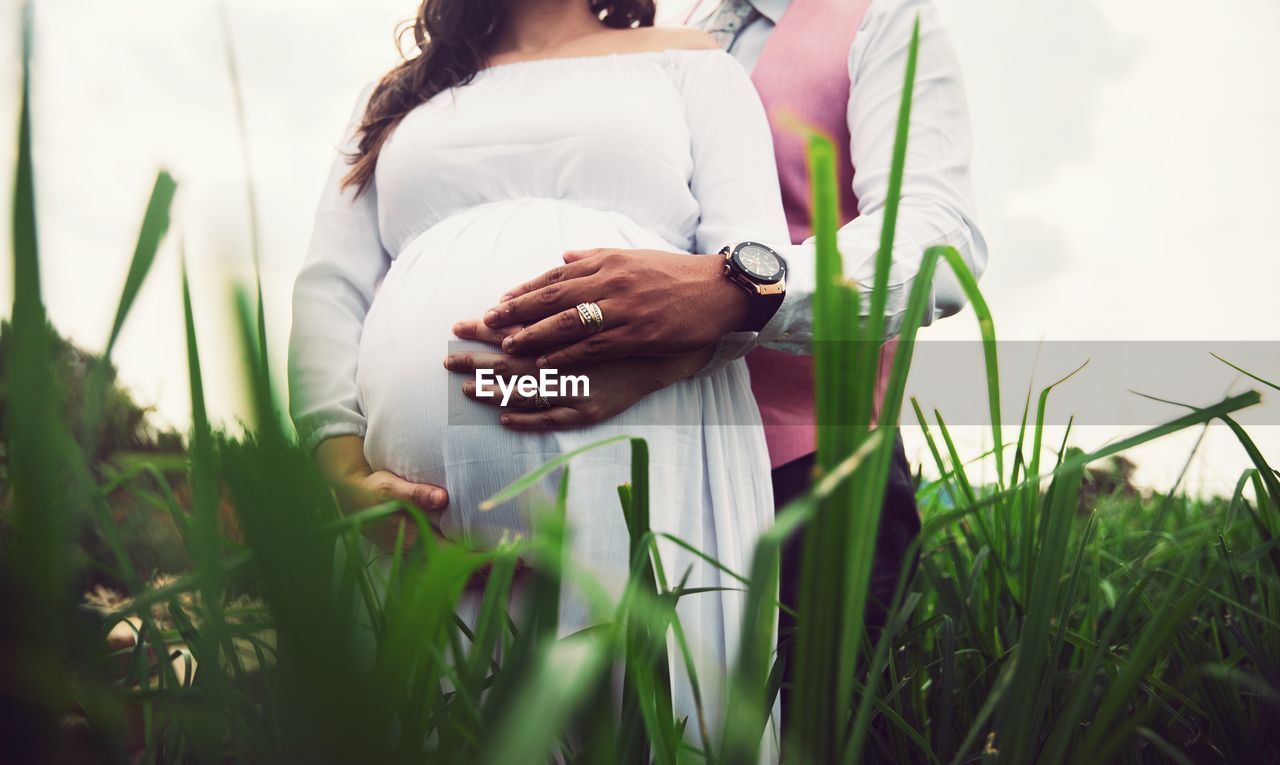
804 70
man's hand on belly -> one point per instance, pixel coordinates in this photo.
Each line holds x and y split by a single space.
654 304
615 386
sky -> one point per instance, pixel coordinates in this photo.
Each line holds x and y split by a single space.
1125 157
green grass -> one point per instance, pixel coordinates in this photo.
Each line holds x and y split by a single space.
1043 624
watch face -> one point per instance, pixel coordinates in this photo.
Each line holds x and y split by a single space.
759 262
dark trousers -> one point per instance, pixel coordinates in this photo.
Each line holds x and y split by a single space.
899 525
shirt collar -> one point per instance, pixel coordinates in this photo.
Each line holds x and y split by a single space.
771 9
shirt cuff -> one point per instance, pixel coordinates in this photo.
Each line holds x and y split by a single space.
731 347
790 330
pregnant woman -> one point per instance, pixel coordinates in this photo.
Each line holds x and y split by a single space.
524 129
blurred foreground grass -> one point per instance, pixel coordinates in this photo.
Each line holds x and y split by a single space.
1047 621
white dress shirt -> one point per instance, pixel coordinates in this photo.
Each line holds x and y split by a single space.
937 204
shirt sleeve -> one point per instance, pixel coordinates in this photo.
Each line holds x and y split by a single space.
936 206
735 177
344 264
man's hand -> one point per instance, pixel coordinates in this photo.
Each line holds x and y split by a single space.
358 486
654 304
615 385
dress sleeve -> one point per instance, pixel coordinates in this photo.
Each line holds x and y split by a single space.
735 177
344 264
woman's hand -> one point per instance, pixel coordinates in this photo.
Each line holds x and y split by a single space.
358 486
615 385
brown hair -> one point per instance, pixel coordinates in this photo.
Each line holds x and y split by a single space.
453 39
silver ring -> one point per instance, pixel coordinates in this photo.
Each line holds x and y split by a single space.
592 317
541 402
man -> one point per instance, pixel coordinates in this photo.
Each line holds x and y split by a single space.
838 65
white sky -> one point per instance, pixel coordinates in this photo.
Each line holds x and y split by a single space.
1125 163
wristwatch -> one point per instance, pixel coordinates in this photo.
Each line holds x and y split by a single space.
760 271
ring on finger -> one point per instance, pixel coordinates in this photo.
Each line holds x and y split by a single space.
541 402
592 317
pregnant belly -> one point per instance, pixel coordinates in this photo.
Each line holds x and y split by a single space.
420 426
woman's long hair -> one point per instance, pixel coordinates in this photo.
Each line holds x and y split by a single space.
453 38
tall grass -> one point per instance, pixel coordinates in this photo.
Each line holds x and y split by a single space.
1036 628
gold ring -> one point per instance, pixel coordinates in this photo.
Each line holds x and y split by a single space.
592 317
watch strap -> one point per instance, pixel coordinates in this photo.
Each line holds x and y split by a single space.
762 309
